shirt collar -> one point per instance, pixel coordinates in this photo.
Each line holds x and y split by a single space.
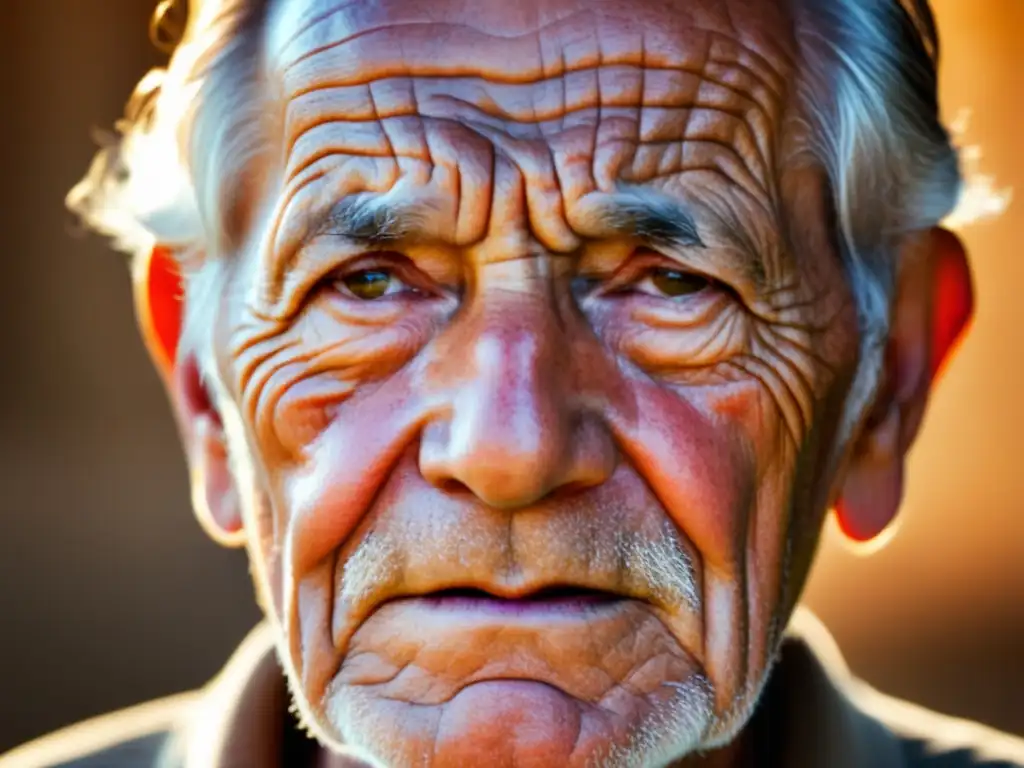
811 701
241 715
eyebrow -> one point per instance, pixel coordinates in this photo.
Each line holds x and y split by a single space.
664 221
657 220
369 221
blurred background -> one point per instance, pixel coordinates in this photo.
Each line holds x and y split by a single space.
109 594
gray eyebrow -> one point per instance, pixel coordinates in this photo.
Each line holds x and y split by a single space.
664 221
368 220
655 219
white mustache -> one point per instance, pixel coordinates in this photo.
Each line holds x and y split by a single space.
657 568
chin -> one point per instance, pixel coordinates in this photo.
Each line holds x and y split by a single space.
519 723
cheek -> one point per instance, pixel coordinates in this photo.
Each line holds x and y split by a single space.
298 379
719 434
700 465
698 427
324 400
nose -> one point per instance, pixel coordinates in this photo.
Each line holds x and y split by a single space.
515 429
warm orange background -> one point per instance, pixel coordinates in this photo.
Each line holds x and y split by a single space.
108 592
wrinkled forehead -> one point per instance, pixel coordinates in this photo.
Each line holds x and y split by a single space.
578 94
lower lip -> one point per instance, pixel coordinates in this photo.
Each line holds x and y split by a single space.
493 606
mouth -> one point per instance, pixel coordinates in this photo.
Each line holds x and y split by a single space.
556 599
455 636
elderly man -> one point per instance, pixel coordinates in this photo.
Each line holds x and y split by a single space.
525 347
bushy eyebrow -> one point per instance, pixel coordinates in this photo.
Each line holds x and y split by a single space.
667 222
658 221
369 220
372 222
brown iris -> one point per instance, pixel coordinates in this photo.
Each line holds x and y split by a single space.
673 282
369 284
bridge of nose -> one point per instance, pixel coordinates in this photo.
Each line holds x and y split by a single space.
512 426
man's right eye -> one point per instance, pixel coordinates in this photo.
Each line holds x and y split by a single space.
371 284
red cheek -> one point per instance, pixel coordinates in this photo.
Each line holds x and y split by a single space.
697 466
735 404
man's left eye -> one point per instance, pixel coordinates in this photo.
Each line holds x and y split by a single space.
671 283
371 284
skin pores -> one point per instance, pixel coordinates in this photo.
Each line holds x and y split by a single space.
535 352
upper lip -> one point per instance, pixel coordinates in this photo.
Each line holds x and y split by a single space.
533 590
497 591
545 592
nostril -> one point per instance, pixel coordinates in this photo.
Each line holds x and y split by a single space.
453 487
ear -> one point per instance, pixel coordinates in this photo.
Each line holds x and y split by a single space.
933 308
159 304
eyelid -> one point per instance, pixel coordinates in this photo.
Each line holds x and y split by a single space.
643 260
656 259
368 260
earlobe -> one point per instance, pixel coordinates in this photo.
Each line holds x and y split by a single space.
873 486
159 304
214 498
931 312
214 495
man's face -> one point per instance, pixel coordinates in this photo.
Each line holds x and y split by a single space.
536 352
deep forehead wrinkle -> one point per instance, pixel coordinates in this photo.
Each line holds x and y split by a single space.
449 47
658 99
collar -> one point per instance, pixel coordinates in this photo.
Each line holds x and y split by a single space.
240 716
812 706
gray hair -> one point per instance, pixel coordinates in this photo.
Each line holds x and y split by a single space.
868 99
869 95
